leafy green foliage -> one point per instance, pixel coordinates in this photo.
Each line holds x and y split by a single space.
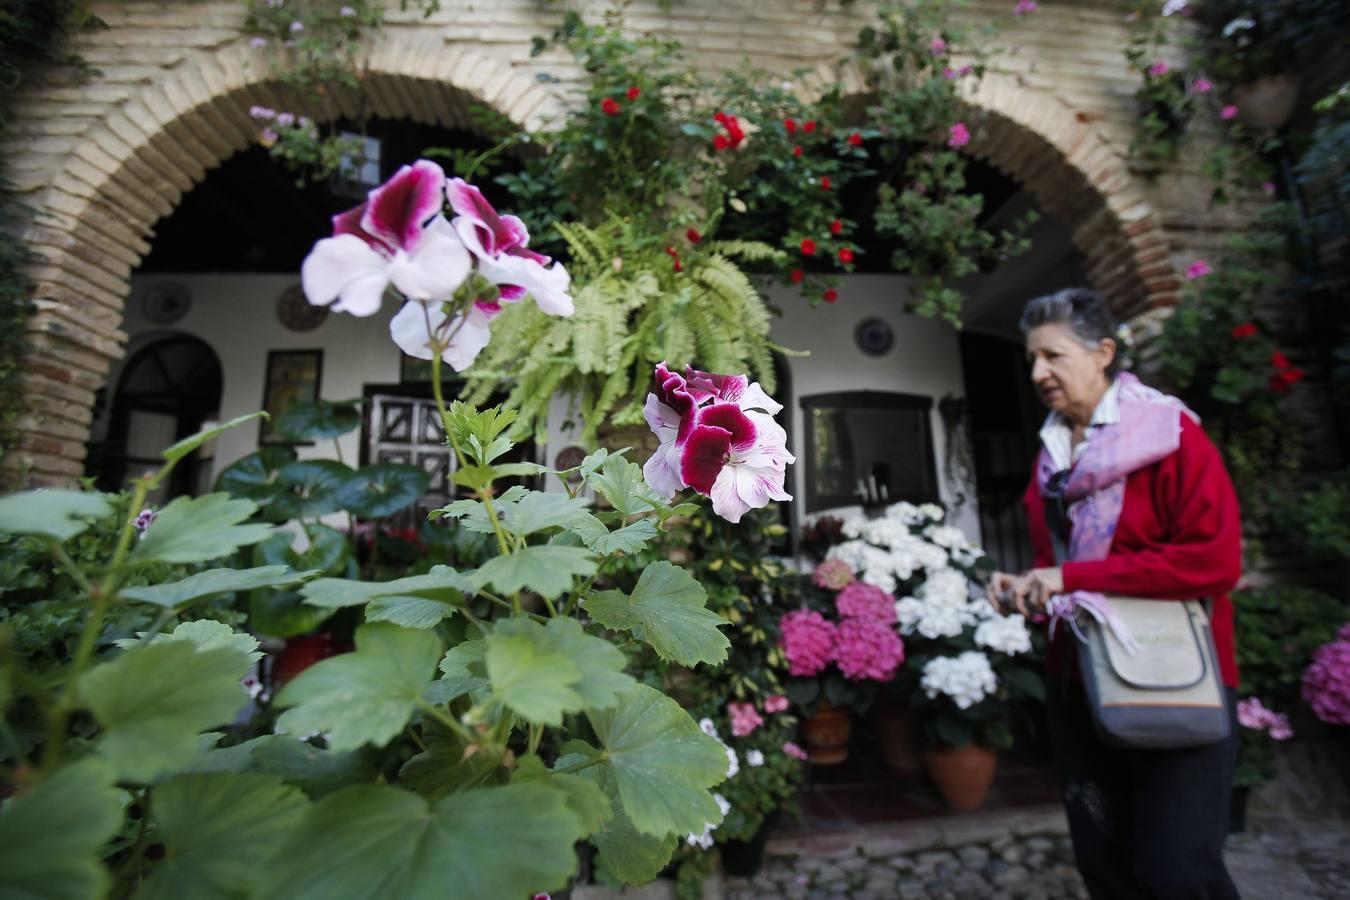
318 421
667 610
373 492
213 582
546 570
197 529
56 514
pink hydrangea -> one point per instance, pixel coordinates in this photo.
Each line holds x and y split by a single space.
1253 714
866 602
775 703
833 575
744 718
958 135
794 751
868 650
1326 681
808 641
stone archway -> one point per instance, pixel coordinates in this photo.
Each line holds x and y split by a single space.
132 167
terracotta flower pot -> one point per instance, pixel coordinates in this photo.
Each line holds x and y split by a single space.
962 775
826 732
1266 103
897 733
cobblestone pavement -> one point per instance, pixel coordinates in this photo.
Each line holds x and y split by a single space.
1023 854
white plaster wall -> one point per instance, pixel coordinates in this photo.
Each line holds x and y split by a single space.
924 360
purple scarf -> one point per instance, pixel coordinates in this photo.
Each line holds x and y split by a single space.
1149 430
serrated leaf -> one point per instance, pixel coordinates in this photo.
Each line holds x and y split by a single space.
441 583
366 696
620 481
600 663
662 764
188 444
52 838
442 769
204 634
155 700
528 676
546 570
197 529
464 671
256 476
309 488
539 511
215 828
521 470
631 538
284 614
52 513
374 492
312 769
318 421
213 582
629 855
667 610
410 612
585 798
378 841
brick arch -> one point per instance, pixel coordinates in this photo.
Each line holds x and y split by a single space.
133 167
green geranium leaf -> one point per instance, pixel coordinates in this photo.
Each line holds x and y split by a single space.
155 700
215 828
441 583
410 612
309 488
318 421
629 539
662 764
465 671
197 529
284 614
213 582
599 663
188 444
528 676
585 798
52 513
204 634
382 490
667 610
539 511
546 570
52 838
626 853
257 476
379 841
366 696
521 470
443 769
312 769
620 481
328 550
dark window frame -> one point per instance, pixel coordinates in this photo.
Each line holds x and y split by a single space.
890 400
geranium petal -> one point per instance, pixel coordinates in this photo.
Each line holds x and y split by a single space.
755 397
661 419
510 293
727 501
408 328
497 234
349 222
548 286
470 337
703 456
662 470
728 416
396 209
436 269
707 385
740 488
345 267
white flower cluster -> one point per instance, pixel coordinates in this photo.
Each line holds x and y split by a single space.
885 551
967 678
705 840
1006 634
943 606
709 727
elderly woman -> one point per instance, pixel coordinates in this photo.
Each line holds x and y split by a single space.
1155 516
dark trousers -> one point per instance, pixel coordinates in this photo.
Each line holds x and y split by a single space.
1146 824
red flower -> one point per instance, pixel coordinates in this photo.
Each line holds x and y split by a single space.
808 247
855 139
1279 360
633 93
825 182
1292 376
810 126
836 227
845 255
797 150
720 117
610 106
671 251
796 275
1246 329
831 295
679 266
721 142
693 235
790 125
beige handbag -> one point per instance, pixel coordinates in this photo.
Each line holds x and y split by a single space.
1165 691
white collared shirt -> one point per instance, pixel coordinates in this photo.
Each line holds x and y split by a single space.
1057 432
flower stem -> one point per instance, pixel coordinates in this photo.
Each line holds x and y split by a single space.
577 767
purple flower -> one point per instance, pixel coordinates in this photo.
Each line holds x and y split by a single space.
938 46
958 135
1326 681
268 137
1201 86
261 112
1198 269
347 12
1023 7
297 27
258 43
284 119
1158 68
145 519
1228 112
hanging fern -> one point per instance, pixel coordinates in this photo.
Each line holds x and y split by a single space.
633 310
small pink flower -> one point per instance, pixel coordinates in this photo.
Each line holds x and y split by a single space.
958 135
1198 269
808 640
1023 7
794 751
1201 86
965 70
949 72
866 602
1229 112
1158 68
258 43
939 46
145 519
1268 187
744 718
833 575
775 703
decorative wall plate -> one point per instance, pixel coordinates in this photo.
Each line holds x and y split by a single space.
874 336
297 313
166 302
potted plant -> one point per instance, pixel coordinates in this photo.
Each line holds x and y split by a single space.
964 662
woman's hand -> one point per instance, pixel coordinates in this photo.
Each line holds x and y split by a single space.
1031 592
999 591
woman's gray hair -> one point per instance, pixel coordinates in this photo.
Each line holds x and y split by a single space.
1085 312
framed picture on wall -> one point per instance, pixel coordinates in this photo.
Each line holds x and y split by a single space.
293 377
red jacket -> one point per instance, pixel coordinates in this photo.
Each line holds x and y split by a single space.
1179 537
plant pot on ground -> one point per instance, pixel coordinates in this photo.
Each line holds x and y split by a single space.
962 775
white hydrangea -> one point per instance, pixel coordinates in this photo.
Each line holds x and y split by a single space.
932 511
946 536
905 513
755 758
908 612
939 621
967 678
1005 634
705 840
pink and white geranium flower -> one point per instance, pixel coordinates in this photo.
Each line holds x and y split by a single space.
418 325
717 436
396 237
500 245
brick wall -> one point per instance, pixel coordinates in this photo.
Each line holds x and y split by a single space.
104 160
